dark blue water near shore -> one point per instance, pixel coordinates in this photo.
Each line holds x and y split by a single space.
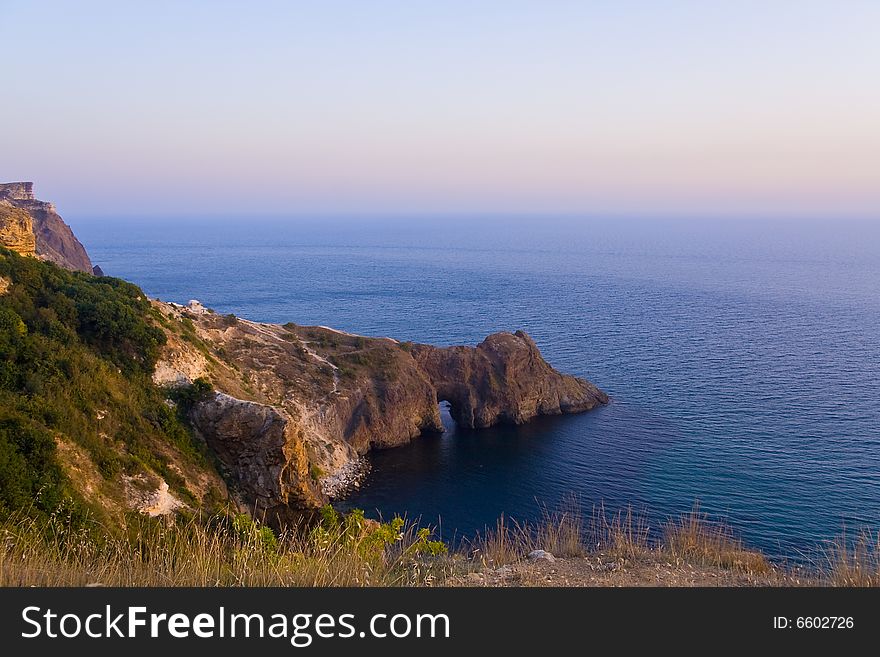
743 358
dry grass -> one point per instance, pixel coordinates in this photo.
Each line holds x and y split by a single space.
691 539
611 549
853 563
624 534
195 553
506 543
694 539
559 532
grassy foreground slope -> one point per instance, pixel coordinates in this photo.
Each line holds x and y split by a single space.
81 423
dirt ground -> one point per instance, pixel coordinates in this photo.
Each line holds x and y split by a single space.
605 570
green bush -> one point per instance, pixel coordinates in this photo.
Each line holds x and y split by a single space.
29 472
76 356
254 534
316 472
373 540
188 396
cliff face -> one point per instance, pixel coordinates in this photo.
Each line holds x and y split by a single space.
263 453
503 380
295 407
17 191
54 240
16 230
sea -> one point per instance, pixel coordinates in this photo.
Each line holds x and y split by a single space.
742 357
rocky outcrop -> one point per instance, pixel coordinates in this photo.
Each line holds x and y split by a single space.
263 453
296 406
503 380
54 240
17 191
16 230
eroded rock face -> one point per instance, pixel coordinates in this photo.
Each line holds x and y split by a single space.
299 405
503 380
17 191
263 452
16 230
54 240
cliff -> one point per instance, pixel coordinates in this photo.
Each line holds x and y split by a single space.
294 408
54 240
503 379
16 230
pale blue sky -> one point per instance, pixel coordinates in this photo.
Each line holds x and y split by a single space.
623 107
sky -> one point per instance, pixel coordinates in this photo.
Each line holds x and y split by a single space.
704 108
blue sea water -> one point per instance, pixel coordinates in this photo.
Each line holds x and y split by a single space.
742 357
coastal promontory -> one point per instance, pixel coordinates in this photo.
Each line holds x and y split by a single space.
53 240
292 409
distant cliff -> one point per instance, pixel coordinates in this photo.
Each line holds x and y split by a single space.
53 239
294 407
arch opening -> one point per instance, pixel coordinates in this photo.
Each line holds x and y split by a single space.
447 416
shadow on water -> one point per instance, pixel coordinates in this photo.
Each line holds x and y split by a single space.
465 479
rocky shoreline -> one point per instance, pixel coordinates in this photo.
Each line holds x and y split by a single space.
346 479
297 407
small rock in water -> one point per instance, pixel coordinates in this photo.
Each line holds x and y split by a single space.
541 555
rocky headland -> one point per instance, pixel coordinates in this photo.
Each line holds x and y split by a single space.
294 407
52 239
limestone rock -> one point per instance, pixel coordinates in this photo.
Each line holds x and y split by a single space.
300 405
503 380
16 230
263 452
541 555
54 240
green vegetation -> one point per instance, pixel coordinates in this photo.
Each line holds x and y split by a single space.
187 396
76 356
222 550
316 472
29 472
377 361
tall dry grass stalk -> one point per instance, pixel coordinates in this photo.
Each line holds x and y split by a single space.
693 538
559 531
623 534
505 543
853 562
195 553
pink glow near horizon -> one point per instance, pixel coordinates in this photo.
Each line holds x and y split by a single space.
526 107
